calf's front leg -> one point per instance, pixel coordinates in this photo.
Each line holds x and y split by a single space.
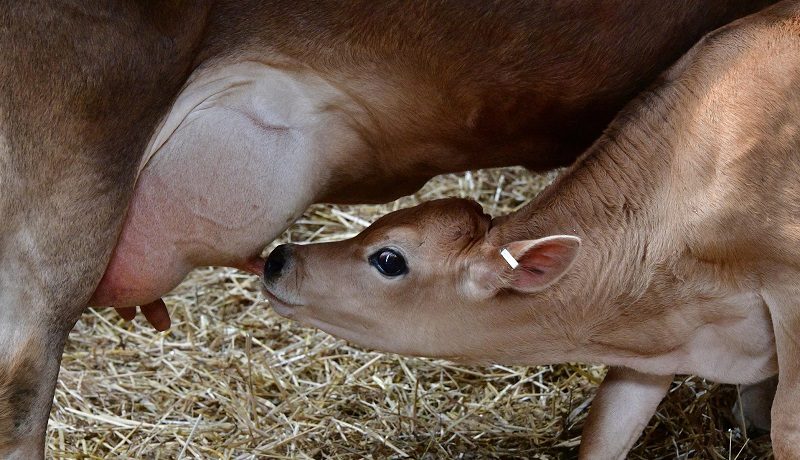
623 406
785 311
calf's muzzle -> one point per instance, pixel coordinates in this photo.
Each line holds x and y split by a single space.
276 261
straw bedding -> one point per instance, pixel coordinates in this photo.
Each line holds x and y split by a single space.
233 380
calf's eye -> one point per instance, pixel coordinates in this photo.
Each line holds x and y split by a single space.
389 262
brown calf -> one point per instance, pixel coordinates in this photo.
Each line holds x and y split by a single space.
671 247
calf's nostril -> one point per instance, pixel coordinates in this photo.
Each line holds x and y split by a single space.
275 261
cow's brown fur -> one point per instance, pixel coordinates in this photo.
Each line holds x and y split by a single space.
436 85
453 85
687 210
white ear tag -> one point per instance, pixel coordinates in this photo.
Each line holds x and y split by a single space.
512 262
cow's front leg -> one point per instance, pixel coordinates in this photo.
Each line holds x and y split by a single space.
621 409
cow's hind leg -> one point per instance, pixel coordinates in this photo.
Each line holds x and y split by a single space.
28 374
51 257
82 88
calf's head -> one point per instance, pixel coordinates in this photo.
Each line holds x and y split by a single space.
421 281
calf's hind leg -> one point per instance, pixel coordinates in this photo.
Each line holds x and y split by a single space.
754 405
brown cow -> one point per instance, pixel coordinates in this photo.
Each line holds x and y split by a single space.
234 115
672 246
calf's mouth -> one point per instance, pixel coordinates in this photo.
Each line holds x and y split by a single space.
277 268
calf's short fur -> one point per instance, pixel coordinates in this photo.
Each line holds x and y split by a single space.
671 247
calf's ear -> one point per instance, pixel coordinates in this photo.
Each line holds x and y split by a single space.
539 263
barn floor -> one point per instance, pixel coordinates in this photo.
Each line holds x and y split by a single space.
233 380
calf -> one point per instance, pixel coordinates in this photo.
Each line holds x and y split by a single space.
209 126
671 247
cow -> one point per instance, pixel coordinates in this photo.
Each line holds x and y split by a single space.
141 139
671 247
